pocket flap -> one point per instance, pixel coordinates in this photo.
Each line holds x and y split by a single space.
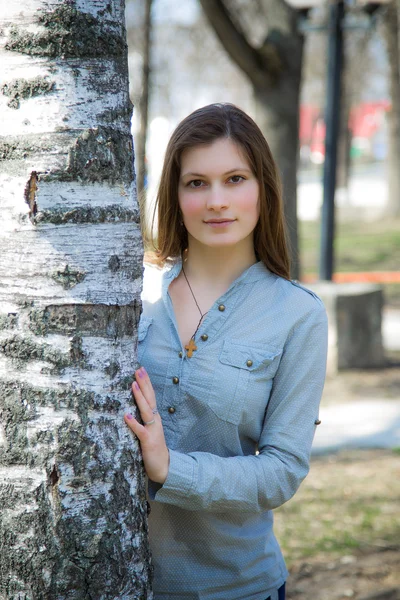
144 325
247 357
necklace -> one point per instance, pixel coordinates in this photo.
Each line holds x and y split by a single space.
191 346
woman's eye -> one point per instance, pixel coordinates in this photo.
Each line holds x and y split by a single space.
236 178
195 183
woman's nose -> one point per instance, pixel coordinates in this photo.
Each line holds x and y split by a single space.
217 199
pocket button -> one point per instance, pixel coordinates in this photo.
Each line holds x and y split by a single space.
249 363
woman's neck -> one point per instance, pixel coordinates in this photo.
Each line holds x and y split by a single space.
217 267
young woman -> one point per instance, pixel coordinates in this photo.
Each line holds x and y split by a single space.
233 356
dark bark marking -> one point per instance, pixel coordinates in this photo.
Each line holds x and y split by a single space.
25 349
18 405
9 151
76 352
88 214
114 115
100 320
30 193
19 89
68 33
8 321
19 148
54 476
114 263
106 9
112 369
68 278
24 394
100 154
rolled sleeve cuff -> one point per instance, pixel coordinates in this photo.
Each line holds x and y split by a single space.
180 479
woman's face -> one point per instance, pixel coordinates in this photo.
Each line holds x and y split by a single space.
218 194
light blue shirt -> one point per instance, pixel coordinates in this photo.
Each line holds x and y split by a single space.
239 420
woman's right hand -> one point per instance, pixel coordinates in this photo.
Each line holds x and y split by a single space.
151 435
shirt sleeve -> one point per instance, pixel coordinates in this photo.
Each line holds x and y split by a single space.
204 481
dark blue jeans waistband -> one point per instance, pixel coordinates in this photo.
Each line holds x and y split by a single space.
281 593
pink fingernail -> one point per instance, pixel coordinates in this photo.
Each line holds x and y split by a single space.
135 385
141 374
129 416
143 371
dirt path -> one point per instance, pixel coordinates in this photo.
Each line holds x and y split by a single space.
341 531
369 576
363 385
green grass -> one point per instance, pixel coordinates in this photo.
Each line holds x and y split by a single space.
348 503
359 246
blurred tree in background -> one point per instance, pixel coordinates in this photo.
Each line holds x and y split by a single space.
143 103
390 26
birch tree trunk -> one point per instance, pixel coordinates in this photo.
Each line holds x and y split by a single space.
73 522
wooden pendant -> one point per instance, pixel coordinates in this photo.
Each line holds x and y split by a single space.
191 347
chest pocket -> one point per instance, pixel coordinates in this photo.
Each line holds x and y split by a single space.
242 370
143 330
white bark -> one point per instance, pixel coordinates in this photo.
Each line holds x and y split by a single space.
73 521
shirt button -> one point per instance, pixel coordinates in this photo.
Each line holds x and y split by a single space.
180 354
317 422
171 410
175 380
221 308
204 337
249 363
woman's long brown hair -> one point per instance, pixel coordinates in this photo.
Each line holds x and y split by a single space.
205 126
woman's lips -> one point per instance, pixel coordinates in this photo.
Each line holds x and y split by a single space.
219 223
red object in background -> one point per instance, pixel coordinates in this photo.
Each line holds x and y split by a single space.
365 277
365 119
309 115
364 122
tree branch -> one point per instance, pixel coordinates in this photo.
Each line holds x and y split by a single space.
249 59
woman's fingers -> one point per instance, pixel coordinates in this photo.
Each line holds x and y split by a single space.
138 429
146 387
145 399
146 412
150 434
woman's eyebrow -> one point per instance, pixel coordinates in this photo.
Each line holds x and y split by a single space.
191 174
238 169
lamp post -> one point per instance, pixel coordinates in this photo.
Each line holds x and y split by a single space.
332 120
336 26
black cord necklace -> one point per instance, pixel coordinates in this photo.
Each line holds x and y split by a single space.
191 347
